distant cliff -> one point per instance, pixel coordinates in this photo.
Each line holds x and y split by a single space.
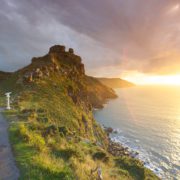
115 82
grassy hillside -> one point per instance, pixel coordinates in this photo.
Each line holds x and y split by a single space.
115 82
52 129
4 75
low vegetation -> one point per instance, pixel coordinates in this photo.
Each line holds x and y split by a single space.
52 129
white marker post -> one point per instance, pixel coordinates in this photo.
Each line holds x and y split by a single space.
8 100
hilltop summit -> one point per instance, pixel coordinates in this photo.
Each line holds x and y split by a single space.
56 61
64 66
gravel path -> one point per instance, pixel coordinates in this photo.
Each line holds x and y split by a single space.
8 169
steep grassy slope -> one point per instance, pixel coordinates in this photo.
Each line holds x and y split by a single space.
52 129
115 82
4 75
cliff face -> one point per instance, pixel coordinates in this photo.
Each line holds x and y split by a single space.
66 65
59 77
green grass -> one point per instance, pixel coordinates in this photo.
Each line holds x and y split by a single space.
63 158
134 168
54 137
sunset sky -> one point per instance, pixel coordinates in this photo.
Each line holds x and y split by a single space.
138 40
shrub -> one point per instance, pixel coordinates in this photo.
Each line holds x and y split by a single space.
51 130
133 166
63 130
69 152
24 132
100 155
32 117
43 119
37 141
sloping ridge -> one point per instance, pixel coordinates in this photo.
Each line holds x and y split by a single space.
115 82
60 75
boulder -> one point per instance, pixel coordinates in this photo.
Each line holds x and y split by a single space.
117 149
38 73
28 77
71 51
109 130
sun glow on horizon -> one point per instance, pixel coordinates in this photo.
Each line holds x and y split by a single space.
143 79
174 9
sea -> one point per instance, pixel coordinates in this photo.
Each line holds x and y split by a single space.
146 119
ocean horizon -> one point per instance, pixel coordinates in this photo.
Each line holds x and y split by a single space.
147 120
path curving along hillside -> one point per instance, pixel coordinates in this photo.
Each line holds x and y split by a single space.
8 169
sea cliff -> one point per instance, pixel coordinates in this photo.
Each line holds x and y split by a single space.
52 129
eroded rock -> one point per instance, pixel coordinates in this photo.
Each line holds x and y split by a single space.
57 49
71 51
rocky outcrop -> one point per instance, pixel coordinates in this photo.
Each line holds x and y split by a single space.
117 149
85 91
56 61
108 130
57 49
71 51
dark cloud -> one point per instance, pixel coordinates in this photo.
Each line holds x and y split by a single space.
131 35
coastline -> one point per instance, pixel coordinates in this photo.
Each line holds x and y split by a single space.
119 148
122 149
57 137
135 153
142 128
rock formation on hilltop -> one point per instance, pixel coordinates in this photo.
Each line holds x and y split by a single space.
56 61
64 65
54 134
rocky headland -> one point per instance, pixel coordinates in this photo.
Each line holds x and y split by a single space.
52 129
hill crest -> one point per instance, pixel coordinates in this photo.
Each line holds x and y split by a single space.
115 82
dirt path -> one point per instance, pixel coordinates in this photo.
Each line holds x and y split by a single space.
8 169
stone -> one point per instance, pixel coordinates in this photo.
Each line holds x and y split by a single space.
117 149
57 49
37 70
56 67
31 77
28 77
71 51
81 69
109 130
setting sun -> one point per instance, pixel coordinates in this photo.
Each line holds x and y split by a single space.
142 79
